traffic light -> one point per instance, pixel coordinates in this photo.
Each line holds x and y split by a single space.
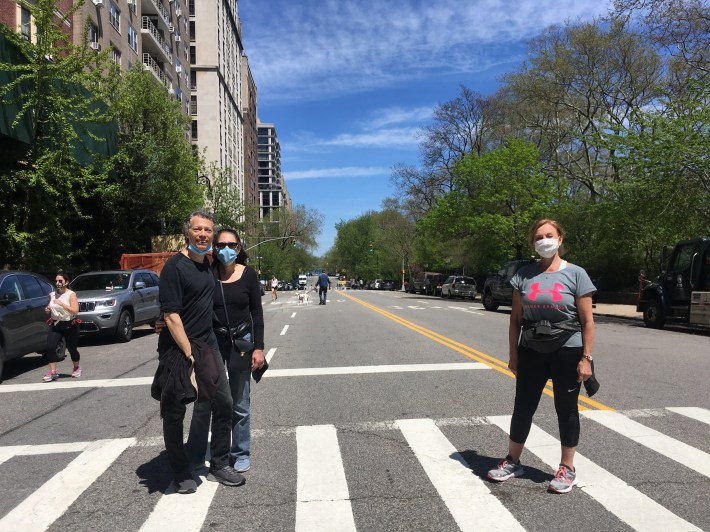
293 243
371 250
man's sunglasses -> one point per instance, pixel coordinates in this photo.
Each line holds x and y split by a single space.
231 245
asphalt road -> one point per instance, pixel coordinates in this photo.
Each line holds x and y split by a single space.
381 411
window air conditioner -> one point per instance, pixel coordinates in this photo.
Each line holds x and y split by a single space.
131 3
177 38
178 68
178 11
99 3
171 28
95 46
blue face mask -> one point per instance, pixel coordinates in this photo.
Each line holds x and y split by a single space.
196 251
227 255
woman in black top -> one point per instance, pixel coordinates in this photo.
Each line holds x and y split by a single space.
240 306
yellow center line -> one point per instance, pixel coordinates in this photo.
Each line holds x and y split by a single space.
470 352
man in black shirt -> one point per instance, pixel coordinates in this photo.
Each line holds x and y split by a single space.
186 289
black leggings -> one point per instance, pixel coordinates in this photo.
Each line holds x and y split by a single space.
69 333
534 369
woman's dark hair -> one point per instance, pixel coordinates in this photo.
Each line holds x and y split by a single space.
242 255
65 275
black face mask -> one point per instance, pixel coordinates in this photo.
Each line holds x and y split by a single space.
59 286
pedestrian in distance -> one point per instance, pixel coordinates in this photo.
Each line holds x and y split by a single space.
63 308
551 336
274 288
186 300
323 283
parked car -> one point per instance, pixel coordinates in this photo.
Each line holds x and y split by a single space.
388 284
459 286
23 321
113 302
302 281
497 289
428 283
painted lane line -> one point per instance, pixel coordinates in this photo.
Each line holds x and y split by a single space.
494 363
414 307
323 500
283 331
634 508
674 449
74 383
293 315
466 496
270 354
49 502
358 370
181 513
693 412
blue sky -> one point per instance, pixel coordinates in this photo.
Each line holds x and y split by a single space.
349 83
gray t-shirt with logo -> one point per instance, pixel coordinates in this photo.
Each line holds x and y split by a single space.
552 296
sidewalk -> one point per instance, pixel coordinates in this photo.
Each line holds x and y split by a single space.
617 311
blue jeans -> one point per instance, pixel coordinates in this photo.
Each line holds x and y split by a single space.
239 385
321 294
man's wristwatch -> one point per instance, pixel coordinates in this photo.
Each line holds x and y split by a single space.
588 357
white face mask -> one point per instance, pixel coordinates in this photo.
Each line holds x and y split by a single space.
547 247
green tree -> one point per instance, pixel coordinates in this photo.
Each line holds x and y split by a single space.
42 198
225 201
153 183
496 198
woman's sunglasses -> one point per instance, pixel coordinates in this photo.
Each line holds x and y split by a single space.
231 245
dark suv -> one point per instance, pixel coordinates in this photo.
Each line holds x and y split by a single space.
23 327
497 289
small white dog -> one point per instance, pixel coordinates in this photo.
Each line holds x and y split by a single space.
303 299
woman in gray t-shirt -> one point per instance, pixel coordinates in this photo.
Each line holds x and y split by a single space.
551 336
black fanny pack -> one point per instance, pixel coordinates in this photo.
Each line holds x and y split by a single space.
545 336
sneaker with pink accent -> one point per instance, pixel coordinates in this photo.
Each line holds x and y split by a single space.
564 480
506 468
77 372
51 376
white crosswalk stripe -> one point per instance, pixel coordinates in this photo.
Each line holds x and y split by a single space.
628 504
39 510
654 440
323 498
465 495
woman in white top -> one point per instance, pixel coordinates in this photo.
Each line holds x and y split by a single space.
63 307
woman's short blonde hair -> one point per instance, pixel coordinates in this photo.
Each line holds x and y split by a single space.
540 223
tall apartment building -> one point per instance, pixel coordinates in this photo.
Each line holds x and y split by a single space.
216 100
272 189
249 100
151 32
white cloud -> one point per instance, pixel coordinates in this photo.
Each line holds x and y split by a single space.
397 115
383 138
345 172
313 49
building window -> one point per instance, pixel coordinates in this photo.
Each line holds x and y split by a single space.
132 38
193 55
191 7
193 80
114 16
93 35
192 31
193 105
26 24
194 129
115 55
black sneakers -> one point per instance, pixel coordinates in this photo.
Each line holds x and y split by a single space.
184 486
226 475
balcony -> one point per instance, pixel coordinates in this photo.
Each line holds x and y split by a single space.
151 64
159 44
154 7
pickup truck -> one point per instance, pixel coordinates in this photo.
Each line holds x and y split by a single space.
497 289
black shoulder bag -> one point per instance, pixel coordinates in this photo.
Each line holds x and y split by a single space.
245 348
